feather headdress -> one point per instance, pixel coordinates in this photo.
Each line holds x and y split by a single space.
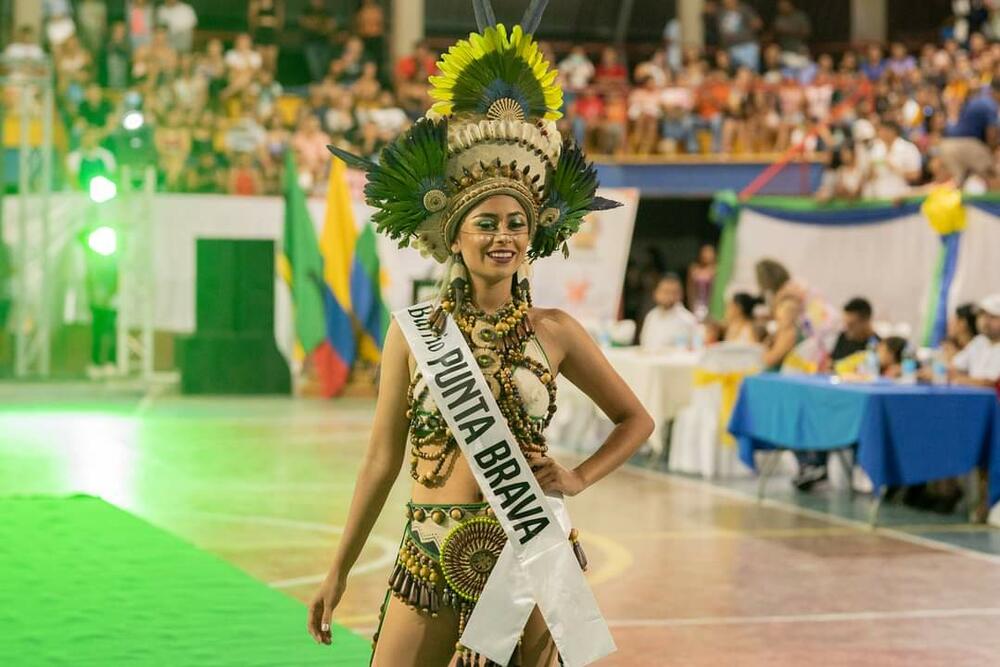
490 131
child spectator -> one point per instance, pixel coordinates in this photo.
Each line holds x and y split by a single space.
244 177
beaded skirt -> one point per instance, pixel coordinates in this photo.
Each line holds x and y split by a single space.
445 558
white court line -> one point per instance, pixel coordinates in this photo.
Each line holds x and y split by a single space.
861 526
903 614
389 548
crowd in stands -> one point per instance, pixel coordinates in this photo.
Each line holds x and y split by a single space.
889 119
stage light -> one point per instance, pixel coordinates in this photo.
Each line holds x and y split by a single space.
103 241
133 120
102 189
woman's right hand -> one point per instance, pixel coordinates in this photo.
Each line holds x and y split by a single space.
321 607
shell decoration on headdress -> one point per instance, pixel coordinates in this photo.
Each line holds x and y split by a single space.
490 131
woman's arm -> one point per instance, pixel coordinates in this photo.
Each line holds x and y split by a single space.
783 343
384 456
585 366
379 469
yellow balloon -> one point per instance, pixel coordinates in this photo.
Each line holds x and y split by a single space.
944 210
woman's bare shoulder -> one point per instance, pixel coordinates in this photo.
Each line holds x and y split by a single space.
553 321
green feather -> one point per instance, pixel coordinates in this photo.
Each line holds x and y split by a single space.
570 187
408 167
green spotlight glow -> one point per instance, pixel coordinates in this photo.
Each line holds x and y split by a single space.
103 241
102 189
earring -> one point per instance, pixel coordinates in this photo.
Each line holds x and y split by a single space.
451 293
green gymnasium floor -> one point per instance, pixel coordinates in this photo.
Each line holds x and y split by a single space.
240 501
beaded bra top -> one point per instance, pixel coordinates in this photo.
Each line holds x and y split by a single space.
515 367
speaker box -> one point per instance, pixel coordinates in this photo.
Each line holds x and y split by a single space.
233 350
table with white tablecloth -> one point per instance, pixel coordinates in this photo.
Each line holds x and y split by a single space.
662 380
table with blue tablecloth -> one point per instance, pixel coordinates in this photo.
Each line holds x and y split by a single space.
905 434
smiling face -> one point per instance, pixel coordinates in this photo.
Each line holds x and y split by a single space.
493 238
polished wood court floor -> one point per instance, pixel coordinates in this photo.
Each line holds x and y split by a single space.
686 573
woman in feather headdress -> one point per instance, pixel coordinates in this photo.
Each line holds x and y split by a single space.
483 184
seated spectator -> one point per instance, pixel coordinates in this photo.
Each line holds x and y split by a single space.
852 343
95 111
367 89
92 21
388 118
114 64
268 92
874 63
970 134
575 73
205 176
656 68
25 46
416 66
791 28
245 135
140 21
173 146
266 18
90 160
309 143
677 125
857 330
713 96
610 73
73 69
668 323
369 25
318 27
894 164
843 179
978 364
962 327
212 67
244 176
587 114
738 113
349 65
900 62
890 356
59 26
613 132
242 63
162 56
739 26
644 114
180 20
739 322
341 120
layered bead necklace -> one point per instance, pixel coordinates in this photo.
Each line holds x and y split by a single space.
498 342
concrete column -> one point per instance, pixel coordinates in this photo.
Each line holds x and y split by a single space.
870 20
689 14
407 26
27 12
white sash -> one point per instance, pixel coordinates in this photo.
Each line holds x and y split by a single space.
537 566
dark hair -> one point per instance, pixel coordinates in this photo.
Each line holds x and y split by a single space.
896 347
894 126
967 313
669 278
746 303
860 307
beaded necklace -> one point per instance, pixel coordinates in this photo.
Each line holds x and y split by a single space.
498 342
